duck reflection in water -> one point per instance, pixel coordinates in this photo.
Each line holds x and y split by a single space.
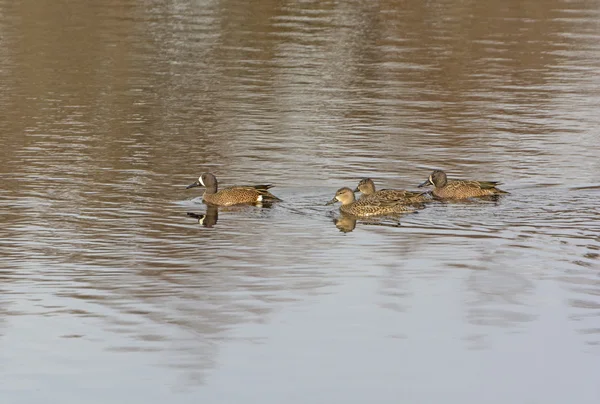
208 219
347 223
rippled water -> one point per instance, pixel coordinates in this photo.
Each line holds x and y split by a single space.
109 291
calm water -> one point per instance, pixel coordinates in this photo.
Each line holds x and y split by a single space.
110 292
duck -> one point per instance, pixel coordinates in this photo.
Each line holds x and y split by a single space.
367 207
366 187
460 189
235 195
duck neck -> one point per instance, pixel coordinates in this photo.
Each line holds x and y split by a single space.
211 189
348 201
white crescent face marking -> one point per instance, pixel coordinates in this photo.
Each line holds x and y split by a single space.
430 179
200 181
201 220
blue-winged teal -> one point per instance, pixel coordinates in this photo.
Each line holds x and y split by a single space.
454 189
367 207
366 187
247 194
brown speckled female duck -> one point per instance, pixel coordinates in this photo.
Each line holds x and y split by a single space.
366 187
247 194
454 189
367 207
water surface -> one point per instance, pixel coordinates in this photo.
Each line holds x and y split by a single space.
109 291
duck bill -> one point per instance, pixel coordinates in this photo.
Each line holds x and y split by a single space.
331 202
425 184
357 190
195 184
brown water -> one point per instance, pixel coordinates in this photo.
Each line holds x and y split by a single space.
109 292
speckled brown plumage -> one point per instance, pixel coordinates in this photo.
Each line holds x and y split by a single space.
367 188
236 195
455 189
367 207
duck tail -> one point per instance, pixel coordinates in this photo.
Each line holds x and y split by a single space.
262 187
488 184
267 196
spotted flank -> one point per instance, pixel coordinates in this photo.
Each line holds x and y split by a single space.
368 207
236 195
443 188
367 188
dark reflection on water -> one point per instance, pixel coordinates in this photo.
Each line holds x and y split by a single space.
347 223
109 108
207 219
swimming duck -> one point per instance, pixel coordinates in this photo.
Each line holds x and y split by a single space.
366 187
456 189
367 207
236 195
